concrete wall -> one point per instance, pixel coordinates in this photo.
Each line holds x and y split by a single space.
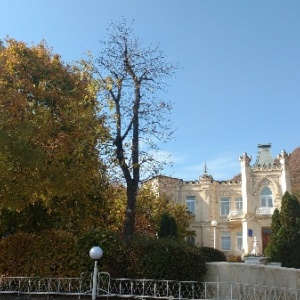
263 275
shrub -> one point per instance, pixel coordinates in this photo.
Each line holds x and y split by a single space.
50 253
114 260
235 258
284 243
168 227
57 253
144 257
164 259
212 254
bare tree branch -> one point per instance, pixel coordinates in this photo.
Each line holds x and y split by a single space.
132 75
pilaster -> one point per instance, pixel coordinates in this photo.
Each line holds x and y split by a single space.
285 178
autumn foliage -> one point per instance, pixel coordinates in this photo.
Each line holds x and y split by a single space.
56 198
50 129
57 253
294 166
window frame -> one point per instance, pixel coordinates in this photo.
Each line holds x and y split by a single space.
191 240
266 197
225 241
239 241
190 202
239 203
224 210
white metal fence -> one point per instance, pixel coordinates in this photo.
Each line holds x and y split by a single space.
142 288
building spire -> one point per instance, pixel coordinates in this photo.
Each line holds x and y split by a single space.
205 175
205 170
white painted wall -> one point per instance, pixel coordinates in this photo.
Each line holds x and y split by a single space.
263 275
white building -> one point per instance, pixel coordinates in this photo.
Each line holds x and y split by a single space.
243 208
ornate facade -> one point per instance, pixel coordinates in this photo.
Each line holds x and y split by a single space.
243 208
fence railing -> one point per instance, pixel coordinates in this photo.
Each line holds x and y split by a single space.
142 288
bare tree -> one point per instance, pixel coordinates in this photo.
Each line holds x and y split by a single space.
130 76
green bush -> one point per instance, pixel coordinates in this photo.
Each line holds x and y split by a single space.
56 253
168 227
284 245
144 257
212 254
50 253
164 259
114 260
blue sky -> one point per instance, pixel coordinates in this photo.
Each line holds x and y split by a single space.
239 82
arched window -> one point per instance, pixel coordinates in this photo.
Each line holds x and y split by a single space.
266 197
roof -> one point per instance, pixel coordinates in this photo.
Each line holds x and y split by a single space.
264 156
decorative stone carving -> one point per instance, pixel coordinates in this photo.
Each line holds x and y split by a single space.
266 181
245 159
283 157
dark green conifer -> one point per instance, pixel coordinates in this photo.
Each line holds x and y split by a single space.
285 238
168 227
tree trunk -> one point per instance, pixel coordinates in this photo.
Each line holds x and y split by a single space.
129 222
132 184
133 68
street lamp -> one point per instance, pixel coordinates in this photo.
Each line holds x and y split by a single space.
95 253
214 223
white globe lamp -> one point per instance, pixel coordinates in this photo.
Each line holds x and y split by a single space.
95 253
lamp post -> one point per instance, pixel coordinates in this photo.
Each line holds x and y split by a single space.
214 223
95 253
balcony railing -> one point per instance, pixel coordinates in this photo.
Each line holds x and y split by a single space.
259 211
235 214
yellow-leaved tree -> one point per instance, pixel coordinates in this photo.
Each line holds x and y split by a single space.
149 211
50 128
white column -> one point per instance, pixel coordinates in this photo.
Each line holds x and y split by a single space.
245 236
246 186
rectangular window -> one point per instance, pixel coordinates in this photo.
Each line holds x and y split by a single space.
191 240
225 240
225 205
239 204
190 204
239 240
266 197
266 201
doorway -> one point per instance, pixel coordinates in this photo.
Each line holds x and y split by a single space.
266 234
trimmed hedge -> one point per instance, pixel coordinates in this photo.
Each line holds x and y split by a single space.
56 253
143 257
164 259
50 253
212 254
